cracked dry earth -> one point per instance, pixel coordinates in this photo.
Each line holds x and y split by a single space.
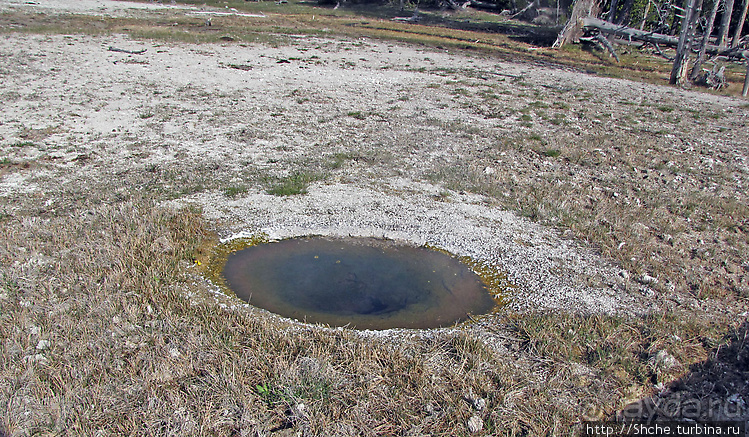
395 141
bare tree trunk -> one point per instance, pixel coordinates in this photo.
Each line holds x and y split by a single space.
705 41
745 91
645 15
573 29
725 23
740 25
624 15
612 11
679 70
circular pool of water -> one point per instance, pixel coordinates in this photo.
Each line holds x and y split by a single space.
363 283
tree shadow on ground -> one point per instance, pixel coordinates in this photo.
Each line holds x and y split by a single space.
713 390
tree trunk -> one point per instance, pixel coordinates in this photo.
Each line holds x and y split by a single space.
612 11
705 41
573 29
622 17
679 70
746 79
725 24
740 25
645 15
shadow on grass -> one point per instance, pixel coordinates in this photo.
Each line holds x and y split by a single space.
713 390
470 20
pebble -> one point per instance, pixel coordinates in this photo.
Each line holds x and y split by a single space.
665 361
647 279
475 424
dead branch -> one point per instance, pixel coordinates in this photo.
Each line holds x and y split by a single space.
659 51
602 43
130 52
484 5
531 5
412 19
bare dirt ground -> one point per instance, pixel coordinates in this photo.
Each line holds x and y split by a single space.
594 195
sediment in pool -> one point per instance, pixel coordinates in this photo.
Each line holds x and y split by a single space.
363 283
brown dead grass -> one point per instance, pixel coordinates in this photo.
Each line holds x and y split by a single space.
655 210
138 345
133 348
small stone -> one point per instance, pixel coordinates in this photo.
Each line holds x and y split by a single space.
479 404
647 292
476 402
429 408
475 424
43 344
34 330
647 279
38 358
624 274
299 410
665 361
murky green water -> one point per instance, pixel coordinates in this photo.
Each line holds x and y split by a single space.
364 283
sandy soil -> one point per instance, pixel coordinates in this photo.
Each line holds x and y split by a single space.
375 118
89 7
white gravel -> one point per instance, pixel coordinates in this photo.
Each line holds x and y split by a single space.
180 105
89 7
549 272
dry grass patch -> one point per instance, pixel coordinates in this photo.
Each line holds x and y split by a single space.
102 330
655 211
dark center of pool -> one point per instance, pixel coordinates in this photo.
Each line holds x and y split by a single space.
364 283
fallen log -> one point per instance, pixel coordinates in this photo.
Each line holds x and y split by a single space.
412 19
484 5
631 34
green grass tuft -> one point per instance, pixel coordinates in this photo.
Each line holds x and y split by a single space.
359 115
235 191
296 183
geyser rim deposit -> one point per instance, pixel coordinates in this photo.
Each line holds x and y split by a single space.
550 271
359 282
